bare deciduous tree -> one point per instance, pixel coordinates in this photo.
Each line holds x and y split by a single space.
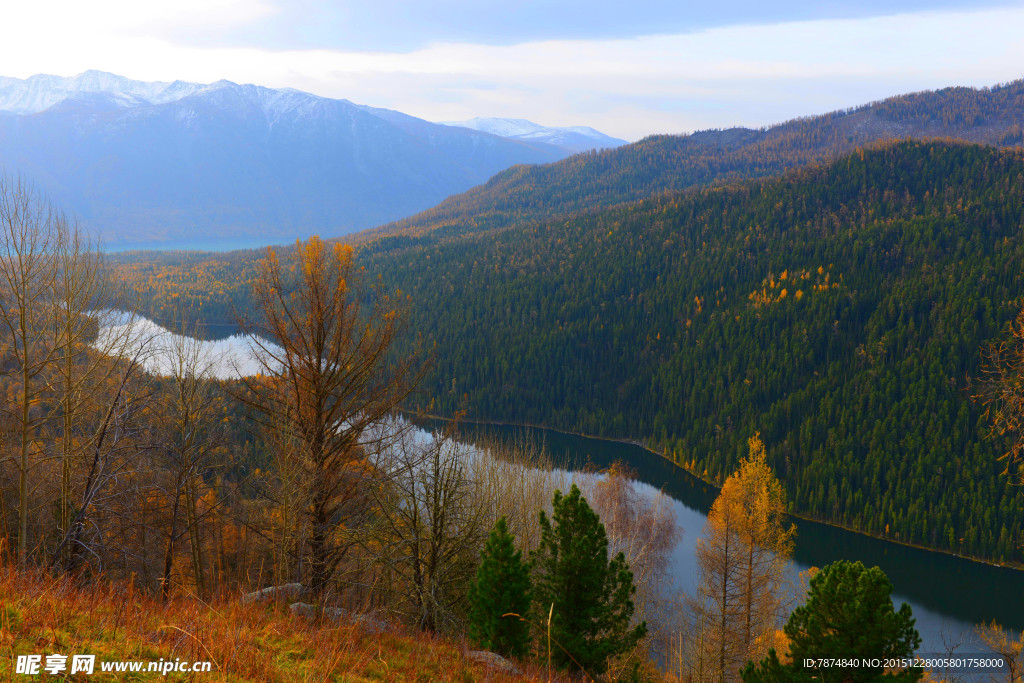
86 304
189 435
29 237
52 287
327 378
113 481
433 526
643 528
516 479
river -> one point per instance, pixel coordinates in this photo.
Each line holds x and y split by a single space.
948 595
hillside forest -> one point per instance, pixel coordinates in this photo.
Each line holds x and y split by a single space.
840 309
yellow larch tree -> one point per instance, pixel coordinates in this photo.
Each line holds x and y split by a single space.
741 559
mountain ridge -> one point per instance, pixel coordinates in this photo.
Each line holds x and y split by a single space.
668 163
41 91
188 165
573 138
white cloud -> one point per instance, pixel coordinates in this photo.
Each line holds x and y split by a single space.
34 20
749 75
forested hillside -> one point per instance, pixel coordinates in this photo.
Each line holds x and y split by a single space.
665 163
839 310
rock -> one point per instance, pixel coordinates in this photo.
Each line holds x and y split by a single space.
303 609
289 591
494 661
371 623
336 615
330 614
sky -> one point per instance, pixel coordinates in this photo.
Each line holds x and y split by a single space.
629 68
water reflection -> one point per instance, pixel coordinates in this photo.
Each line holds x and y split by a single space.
948 594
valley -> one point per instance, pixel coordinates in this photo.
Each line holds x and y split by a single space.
692 320
802 343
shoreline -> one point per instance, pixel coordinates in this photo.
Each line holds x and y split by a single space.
1014 566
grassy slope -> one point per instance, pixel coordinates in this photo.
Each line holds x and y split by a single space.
43 615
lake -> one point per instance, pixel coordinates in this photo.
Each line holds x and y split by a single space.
949 595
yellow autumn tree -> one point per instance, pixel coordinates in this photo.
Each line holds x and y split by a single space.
741 558
1001 642
323 340
999 388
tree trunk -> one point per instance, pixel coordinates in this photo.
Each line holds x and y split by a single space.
23 475
165 584
194 538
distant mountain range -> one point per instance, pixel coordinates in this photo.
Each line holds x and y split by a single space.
669 163
190 165
42 91
573 138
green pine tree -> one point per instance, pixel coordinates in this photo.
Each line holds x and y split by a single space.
592 596
502 587
849 615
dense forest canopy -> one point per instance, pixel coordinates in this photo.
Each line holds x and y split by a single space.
839 309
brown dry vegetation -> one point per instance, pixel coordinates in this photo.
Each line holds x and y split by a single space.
40 614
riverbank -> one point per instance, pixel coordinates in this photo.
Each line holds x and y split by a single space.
1017 566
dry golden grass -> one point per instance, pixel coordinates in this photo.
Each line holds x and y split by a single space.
40 614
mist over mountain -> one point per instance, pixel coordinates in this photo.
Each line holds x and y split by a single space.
189 165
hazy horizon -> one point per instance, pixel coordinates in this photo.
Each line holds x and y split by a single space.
653 67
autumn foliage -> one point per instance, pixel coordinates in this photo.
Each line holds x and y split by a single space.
116 621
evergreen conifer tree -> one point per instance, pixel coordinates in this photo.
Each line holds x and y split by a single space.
502 587
592 596
849 616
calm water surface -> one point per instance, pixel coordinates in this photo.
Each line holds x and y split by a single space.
948 595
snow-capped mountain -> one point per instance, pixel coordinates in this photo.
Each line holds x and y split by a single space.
179 164
40 92
573 138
